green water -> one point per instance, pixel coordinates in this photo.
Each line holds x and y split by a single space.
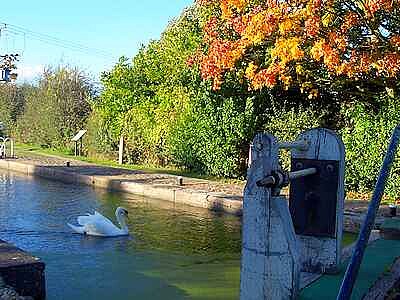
173 252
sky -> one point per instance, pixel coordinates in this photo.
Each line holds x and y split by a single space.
111 29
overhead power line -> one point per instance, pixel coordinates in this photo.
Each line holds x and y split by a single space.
48 39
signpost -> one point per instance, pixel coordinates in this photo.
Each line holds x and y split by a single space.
78 142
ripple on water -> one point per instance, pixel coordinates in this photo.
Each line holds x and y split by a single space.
168 255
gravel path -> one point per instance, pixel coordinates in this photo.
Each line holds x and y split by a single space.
130 175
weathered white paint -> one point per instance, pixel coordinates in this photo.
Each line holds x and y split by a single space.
269 267
79 135
318 253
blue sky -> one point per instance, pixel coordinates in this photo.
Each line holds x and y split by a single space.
117 27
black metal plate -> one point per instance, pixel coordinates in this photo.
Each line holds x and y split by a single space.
313 199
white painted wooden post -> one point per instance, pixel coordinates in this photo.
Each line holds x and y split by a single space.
269 266
322 254
2 150
12 148
121 150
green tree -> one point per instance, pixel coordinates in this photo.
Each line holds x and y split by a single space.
143 99
57 108
12 102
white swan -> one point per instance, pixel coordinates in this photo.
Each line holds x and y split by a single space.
98 225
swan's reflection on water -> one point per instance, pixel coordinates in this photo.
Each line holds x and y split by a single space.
173 252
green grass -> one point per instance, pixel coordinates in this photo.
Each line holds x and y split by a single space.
34 149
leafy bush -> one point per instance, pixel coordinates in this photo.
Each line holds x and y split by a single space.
366 137
56 109
144 99
168 115
209 138
98 140
286 123
12 101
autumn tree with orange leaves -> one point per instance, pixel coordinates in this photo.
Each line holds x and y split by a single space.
307 44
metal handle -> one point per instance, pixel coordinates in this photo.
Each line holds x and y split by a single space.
302 173
281 179
301 145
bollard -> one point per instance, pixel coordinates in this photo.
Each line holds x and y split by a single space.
393 210
179 180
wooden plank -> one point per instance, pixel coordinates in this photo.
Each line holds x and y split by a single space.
285 231
269 268
320 254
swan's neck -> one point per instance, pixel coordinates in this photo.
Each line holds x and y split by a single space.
122 222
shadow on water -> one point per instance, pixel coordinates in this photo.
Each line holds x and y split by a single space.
174 251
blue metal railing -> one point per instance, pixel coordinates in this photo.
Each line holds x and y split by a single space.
356 259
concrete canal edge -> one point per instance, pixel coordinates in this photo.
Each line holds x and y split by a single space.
209 200
22 272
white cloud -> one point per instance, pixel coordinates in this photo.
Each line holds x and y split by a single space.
29 72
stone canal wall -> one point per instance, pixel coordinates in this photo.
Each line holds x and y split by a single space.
198 193
21 274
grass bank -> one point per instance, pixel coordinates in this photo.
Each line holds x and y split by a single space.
28 149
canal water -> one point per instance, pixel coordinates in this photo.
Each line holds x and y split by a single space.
173 252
